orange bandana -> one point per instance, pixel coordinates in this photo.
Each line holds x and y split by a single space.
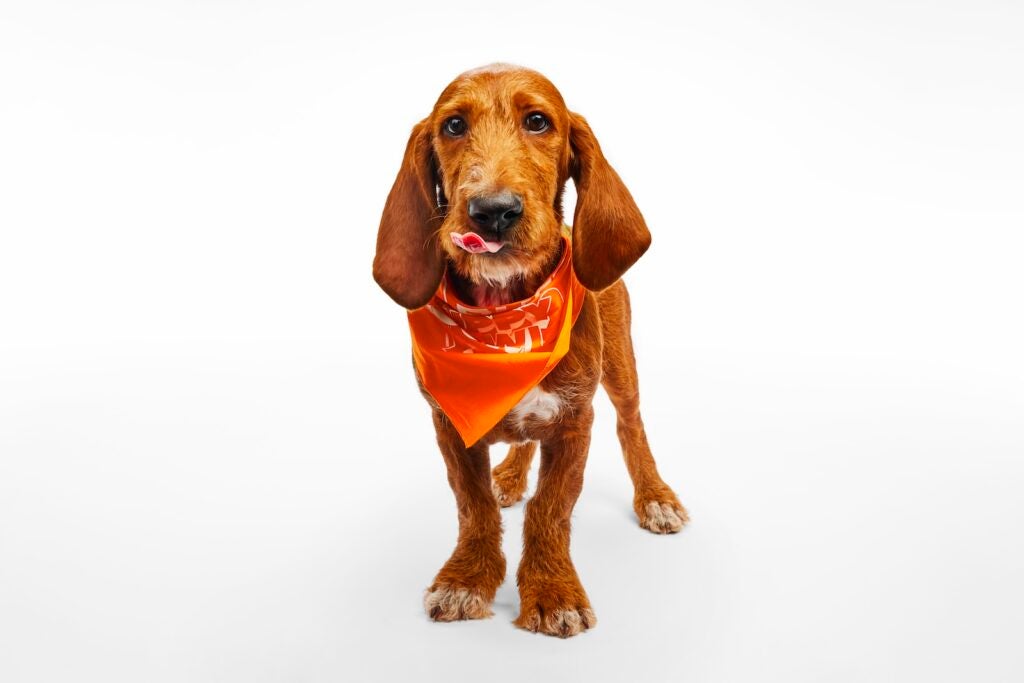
477 363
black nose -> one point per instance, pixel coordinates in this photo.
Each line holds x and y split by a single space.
497 212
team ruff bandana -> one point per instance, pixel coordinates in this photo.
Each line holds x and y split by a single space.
478 362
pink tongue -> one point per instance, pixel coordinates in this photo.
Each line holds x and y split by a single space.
474 243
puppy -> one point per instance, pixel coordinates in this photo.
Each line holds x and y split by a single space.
514 324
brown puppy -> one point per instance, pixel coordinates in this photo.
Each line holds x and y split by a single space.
493 157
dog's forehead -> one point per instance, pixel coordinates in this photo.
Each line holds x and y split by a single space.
499 81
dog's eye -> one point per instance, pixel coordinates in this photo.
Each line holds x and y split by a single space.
455 126
537 122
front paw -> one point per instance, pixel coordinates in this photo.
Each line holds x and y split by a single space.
466 584
444 602
555 610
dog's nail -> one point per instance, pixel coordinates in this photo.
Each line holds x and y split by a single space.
435 613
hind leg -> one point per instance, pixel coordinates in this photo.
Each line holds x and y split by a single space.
508 480
655 503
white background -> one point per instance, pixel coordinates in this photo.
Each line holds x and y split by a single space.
214 464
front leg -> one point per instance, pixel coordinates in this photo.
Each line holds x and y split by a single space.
466 584
552 599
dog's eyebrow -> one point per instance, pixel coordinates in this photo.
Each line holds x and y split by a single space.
535 104
456 107
533 101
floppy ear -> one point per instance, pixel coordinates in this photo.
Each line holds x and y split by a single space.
608 232
408 265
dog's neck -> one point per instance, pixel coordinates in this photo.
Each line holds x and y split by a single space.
486 293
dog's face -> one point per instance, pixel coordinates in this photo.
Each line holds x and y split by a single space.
492 159
501 144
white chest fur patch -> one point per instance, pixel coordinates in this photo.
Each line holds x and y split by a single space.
538 404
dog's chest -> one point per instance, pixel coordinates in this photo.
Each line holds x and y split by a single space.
537 406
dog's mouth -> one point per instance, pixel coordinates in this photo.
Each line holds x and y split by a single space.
475 244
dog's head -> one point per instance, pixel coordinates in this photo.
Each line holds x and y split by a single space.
492 159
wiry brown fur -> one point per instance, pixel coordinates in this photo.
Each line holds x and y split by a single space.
609 235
